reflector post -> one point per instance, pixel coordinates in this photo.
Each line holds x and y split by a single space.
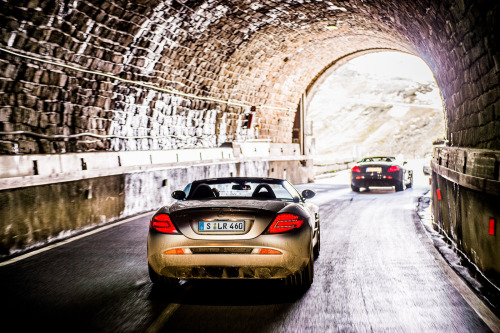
492 226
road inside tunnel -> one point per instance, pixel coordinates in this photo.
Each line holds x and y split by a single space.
375 273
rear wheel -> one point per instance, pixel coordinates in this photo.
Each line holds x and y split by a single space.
164 282
400 186
410 185
317 246
354 188
301 281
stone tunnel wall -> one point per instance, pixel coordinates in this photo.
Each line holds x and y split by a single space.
135 75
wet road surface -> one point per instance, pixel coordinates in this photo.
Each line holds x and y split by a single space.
375 273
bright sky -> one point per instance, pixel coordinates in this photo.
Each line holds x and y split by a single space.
394 64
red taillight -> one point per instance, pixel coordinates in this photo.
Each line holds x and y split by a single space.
356 169
285 222
162 223
393 168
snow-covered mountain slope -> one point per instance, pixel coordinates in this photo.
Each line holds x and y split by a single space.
355 113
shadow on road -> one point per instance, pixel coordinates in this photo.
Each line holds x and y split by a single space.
226 306
227 292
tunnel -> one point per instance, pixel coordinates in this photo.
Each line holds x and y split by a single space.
109 77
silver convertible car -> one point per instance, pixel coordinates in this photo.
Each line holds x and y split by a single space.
235 228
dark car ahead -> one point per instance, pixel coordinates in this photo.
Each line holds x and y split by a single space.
381 171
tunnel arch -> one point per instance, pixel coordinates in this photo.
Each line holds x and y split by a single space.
243 53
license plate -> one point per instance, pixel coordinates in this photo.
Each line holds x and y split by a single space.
221 226
373 169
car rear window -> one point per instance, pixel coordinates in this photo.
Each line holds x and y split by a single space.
378 159
247 189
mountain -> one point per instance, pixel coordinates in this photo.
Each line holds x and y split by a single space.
356 113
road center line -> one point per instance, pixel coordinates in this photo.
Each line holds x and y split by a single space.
163 318
72 239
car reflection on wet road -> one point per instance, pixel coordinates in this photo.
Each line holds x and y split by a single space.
375 273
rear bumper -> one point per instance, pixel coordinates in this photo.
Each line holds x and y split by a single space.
225 272
229 259
374 181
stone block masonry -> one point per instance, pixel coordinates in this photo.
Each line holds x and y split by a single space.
139 119
234 54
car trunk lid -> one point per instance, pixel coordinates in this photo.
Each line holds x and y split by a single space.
225 219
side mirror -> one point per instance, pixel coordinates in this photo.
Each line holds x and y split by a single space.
179 195
308 194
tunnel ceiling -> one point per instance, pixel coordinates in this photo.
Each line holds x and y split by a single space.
131 75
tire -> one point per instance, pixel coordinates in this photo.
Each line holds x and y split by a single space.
301 281
354 188
410 185
400 186
316 248
161 281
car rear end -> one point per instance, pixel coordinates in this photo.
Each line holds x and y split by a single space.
376 174
229 243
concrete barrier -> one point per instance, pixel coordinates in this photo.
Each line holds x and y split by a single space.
46 198
323 168
466 204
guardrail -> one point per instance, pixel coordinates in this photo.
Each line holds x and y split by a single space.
477 169
322 167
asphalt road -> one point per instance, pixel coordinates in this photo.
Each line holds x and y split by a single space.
375 273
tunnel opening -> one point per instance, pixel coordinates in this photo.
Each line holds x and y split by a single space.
375 103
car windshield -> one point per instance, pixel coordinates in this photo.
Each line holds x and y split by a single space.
378 159
230 188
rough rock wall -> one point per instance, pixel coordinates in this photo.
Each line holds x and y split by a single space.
125 75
